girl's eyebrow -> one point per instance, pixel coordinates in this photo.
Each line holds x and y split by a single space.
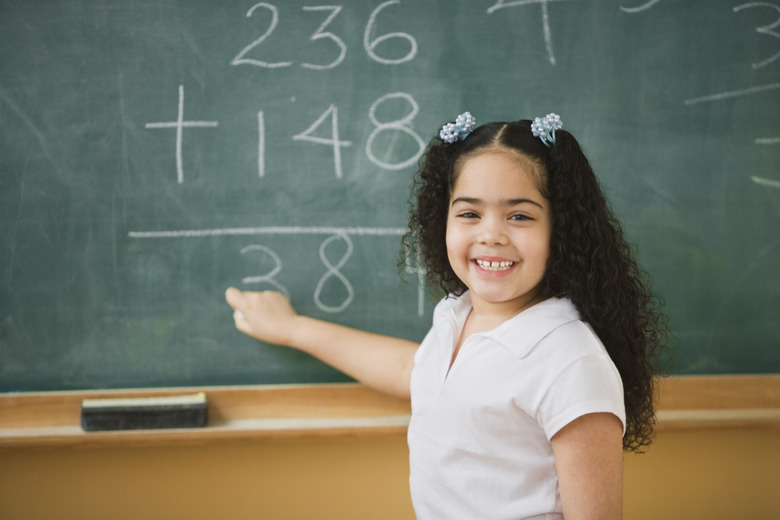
503 202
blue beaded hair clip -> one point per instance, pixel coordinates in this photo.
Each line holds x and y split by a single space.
544 128
459 130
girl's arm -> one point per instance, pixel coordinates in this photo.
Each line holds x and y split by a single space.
589 461
382 362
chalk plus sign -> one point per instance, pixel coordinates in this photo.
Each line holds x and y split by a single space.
179 125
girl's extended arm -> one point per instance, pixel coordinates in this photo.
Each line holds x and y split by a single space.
382 362
589 462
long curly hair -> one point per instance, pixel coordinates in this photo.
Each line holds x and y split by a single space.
590 261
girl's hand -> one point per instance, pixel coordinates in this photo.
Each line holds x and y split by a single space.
267 316
383 362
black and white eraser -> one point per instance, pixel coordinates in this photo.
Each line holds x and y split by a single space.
184 411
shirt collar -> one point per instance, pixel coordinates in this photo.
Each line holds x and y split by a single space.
521 333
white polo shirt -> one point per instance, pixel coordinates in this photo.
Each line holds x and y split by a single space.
479 438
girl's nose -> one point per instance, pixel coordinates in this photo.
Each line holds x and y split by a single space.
492 233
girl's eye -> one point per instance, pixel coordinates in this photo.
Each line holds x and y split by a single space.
520 217
468 214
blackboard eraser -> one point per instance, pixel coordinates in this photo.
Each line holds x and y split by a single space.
143 413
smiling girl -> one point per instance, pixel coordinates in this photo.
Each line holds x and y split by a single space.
537 372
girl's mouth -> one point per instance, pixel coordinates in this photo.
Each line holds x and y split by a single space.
494 265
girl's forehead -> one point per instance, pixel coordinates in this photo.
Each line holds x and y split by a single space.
490 160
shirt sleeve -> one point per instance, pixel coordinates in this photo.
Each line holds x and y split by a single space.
590 384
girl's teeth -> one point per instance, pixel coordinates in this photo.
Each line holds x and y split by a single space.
494 266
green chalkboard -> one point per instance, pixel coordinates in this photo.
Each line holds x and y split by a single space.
154 153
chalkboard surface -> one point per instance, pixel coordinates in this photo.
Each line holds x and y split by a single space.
154 153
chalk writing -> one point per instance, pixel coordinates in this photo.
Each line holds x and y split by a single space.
767 29
180 124
333 271
639 8
240 58
766 182
260 144
334 140
266 278
369 43
732 93
318 35
402 125
502 4
269 230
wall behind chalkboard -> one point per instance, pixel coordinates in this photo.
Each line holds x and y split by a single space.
154 153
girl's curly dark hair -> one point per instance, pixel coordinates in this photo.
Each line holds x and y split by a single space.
590 261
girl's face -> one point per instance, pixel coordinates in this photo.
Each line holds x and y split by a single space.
498 232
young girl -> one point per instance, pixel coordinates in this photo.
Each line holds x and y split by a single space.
537 372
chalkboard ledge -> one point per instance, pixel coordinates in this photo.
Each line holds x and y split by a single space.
235 414
260 413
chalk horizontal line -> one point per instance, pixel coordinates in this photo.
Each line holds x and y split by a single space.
184 124
733 93
766 182
768 140
271 230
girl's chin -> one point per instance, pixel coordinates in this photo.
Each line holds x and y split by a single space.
493 297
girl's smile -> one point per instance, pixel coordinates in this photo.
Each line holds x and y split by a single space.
494 265
498 231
